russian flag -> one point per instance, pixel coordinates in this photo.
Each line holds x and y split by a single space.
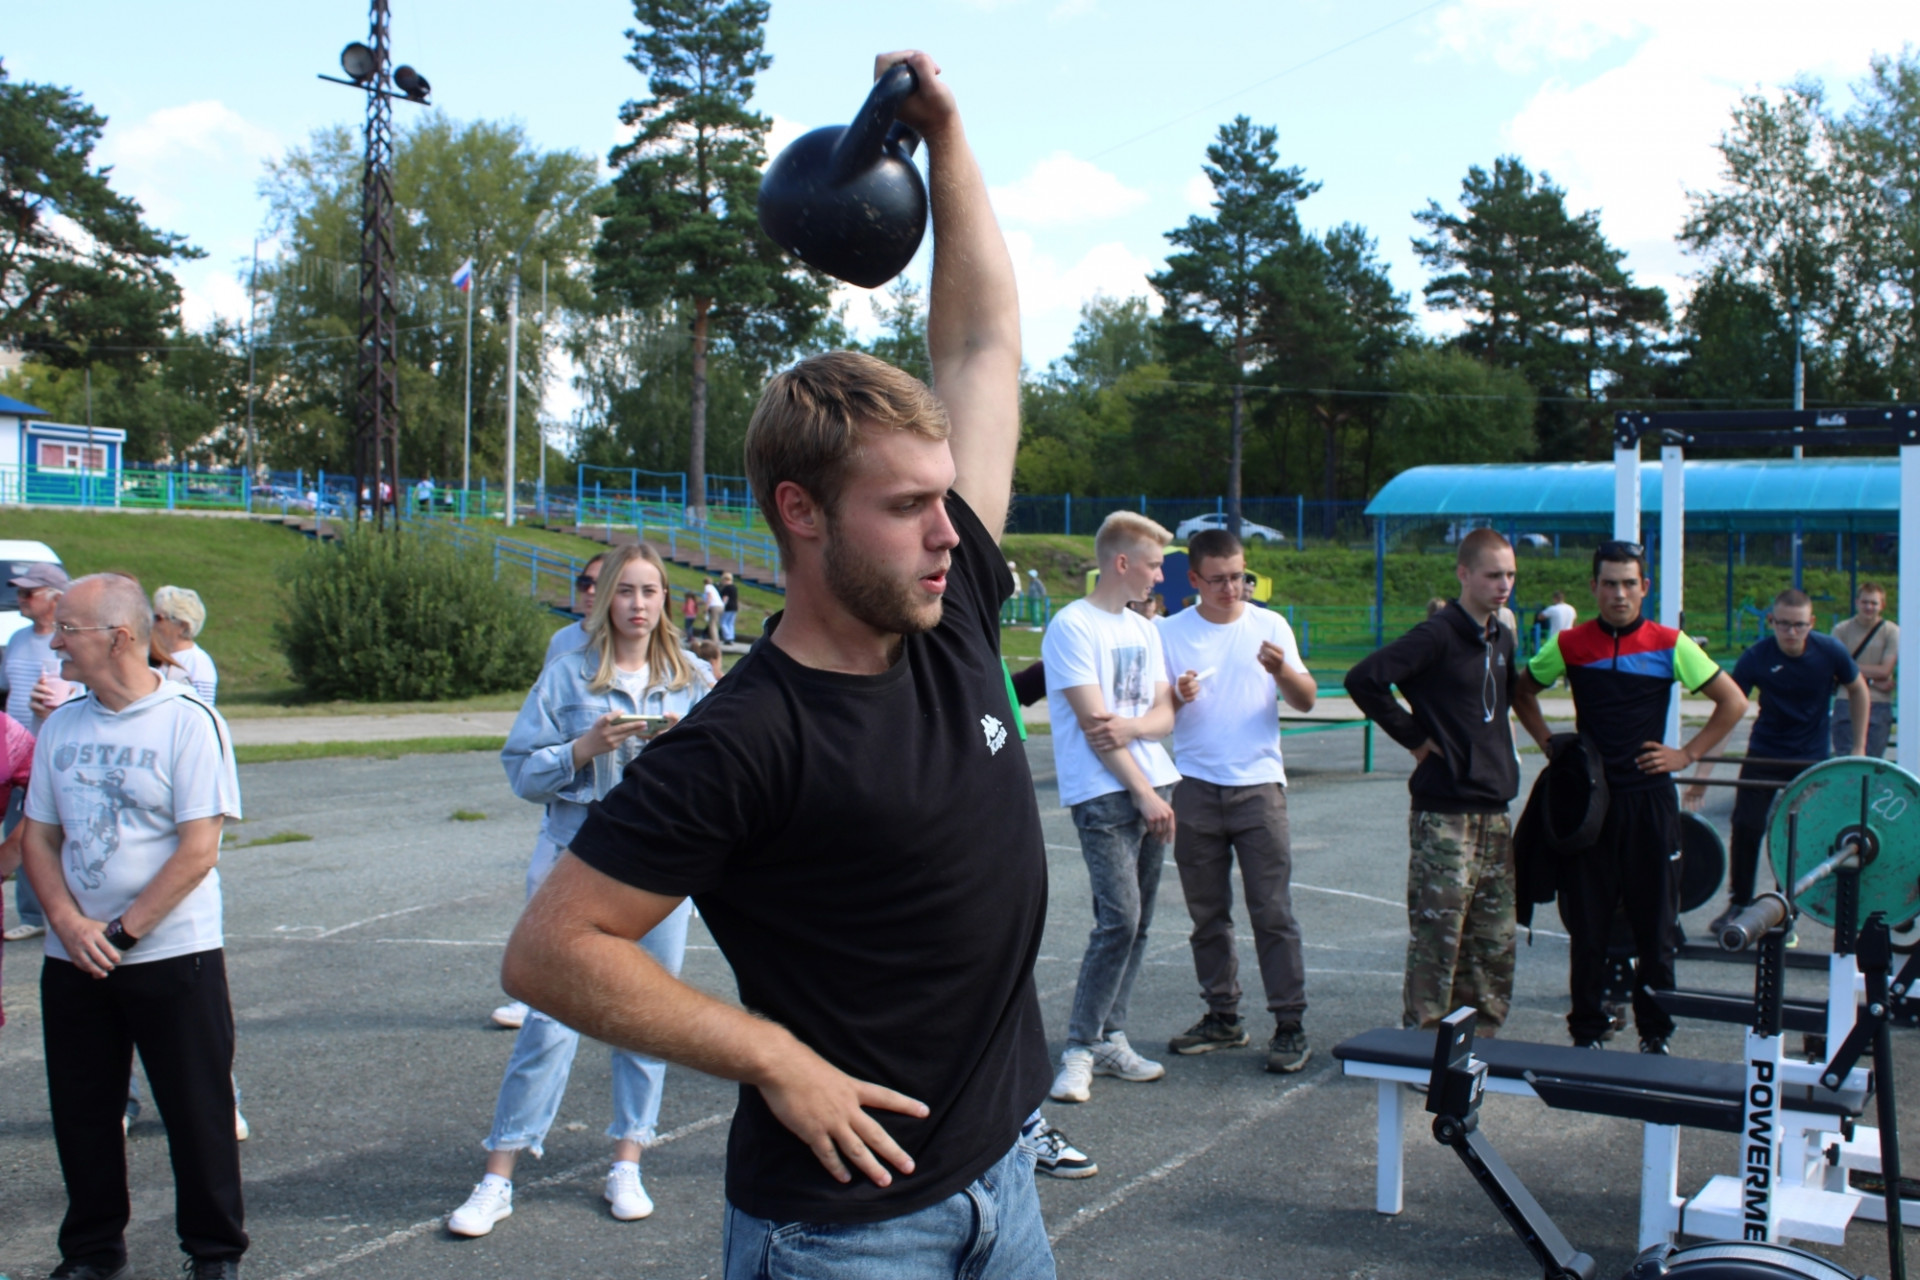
463 278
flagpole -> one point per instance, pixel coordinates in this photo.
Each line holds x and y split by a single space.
466 450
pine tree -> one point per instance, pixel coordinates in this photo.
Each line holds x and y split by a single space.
1212 284
679 226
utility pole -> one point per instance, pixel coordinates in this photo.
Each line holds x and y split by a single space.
253 316
513 375
541 372
466 438
1799 368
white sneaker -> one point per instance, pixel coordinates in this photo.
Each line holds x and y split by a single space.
512 1016
629 1199
1115 1057
21 932
490 1202
1075 1078
241 1129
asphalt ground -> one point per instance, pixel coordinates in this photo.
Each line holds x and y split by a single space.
364 964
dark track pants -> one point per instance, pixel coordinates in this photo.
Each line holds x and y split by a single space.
1749 827
1635 862
176 1012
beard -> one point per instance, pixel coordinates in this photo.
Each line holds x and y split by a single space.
877 596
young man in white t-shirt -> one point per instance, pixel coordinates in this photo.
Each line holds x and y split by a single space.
131 785
1230 663
1110 703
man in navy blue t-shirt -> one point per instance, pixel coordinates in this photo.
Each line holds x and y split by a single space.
1796 670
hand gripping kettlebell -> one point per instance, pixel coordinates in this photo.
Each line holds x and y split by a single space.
847 200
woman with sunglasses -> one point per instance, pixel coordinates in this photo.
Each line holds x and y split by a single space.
588 716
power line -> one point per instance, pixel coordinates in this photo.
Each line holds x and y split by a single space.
1278 75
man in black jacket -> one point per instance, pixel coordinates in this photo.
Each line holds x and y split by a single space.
1456 669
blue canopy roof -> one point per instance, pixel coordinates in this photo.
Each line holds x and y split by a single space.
1748 495
21 407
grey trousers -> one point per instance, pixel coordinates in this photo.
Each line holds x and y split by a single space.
1879 727
1214 824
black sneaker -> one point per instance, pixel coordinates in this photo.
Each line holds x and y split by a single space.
1718 924
93 1271
1215 1031
1654 1044
1054 1156
211 1268
1287 1052
1586 1044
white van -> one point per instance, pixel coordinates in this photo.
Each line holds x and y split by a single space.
14 559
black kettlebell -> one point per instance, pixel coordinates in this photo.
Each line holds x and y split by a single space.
847 200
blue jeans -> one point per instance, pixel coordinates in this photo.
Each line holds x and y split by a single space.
24 898
542 1058
728 620
990 1231
1123 864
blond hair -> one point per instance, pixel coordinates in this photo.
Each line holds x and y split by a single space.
666 665
1125 531
811 418
182 605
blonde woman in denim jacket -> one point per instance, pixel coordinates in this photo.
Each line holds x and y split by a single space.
566 750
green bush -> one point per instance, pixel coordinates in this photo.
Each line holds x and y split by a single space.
392 617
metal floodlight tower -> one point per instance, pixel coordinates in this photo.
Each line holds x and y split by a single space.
376 453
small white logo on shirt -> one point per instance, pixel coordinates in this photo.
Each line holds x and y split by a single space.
1777 667
996 734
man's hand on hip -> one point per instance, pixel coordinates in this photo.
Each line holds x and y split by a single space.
1658 757
826 1109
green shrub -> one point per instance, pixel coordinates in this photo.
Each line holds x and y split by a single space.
393 617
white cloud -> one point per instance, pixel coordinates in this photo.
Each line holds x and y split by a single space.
167 160
1067 10
1047 288
1198 193
1631 140
1064 190
783 132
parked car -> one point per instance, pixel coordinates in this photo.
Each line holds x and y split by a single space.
14 558
1249 531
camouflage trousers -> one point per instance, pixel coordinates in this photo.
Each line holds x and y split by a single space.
1460 912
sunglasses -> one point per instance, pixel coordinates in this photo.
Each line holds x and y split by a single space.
586 582
1618 551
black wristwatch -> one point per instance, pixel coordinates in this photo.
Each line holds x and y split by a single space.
117 934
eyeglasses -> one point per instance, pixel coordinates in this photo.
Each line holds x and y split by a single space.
1780 625
586 582
1220 580
68 629
1618 551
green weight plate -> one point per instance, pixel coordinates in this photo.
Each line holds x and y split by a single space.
1828 799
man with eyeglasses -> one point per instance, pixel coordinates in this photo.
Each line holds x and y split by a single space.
1620 668
1230 664
1456 671
573 637
1796 670
131 786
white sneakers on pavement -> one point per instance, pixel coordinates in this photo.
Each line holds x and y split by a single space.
1074 1083
1115 1057
22 932
512 1015
629 1200
241 1129
491 1201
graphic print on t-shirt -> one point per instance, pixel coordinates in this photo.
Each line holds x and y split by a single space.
1128 695
92 843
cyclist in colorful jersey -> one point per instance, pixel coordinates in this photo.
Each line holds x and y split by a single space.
1621 668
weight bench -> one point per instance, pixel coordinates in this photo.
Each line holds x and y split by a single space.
1664 1093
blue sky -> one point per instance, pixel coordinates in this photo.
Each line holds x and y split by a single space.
1090 116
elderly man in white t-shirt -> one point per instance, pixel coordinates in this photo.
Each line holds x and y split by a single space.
1109 702
131 785
1230 664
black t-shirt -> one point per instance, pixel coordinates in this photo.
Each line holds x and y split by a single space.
729 597
867 852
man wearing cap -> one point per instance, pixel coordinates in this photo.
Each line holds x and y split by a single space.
1621 669
30 656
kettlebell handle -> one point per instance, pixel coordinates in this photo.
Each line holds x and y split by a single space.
860 146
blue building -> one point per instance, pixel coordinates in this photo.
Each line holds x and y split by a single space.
56 462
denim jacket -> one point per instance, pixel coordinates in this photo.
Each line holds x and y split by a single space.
539 753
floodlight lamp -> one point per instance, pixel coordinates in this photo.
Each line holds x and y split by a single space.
359 62
412 83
